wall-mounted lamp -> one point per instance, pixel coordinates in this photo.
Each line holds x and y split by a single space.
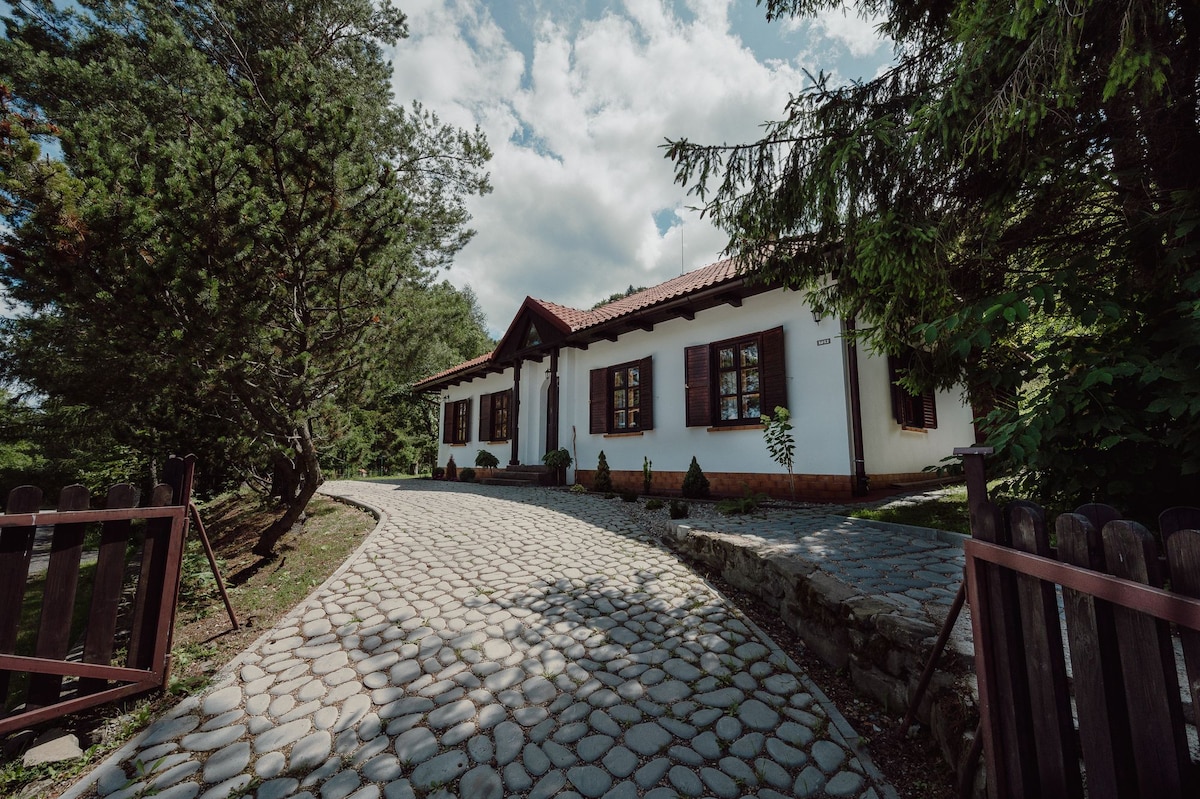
816 317
445 398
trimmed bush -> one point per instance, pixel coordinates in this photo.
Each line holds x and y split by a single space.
466 475
603 479
695 484
578 488
678 510
486 460
438 472
629 496
654 504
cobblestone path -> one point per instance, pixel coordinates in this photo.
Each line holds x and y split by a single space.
491 642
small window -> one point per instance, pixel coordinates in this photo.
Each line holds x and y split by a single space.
915 411
532 337
494 416
734 382
622 398
456 424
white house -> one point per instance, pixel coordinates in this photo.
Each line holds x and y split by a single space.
684 369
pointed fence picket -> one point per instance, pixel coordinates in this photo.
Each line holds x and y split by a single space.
74 657
1116 726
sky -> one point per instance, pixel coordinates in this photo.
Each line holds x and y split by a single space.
576 98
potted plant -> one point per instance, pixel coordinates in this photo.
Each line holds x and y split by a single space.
558 460
486 460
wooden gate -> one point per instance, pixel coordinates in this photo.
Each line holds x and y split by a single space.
61 652
1116 722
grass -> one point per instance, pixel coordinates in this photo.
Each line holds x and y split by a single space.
944 513
31 614
261 592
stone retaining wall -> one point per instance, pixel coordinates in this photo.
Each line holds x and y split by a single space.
882 647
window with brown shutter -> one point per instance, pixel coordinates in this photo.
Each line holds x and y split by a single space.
456 427
493 415
736 381
622 398
917 411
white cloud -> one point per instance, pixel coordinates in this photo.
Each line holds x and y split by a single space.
858 34
576 125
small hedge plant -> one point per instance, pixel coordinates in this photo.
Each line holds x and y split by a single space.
629 496
678 510
695 484
603 479
466 475
654 504
486 460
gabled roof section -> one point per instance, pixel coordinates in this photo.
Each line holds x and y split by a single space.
446 377
558 325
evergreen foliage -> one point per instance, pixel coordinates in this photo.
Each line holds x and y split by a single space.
602 481
486 460
1017 199
695 484
241 227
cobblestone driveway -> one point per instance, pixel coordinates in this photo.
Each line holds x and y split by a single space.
489 642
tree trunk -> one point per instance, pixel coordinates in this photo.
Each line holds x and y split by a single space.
308 471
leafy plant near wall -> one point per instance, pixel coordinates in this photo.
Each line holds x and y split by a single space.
695 484
777 433
466 475
558 460
679 510
603 479
647 474
486 460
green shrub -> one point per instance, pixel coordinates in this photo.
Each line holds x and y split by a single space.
678 510
609 495
557 458
654 504
486 460
740 505
629 496
466 475
578 488
603 479
695 484
438 472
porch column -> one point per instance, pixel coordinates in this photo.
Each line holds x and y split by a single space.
515 414
552 402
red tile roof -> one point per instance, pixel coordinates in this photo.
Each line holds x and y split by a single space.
685 284
575 320
465 366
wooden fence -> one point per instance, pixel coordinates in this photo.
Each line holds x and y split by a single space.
1115 725
61 652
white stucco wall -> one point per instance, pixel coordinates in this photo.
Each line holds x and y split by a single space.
464 455
890 449
815 388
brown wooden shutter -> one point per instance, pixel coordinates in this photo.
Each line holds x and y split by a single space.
646 393
485 416
466 431
448 423
598 400
697 386
774 371
929 410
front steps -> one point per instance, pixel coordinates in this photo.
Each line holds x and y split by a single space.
521 476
